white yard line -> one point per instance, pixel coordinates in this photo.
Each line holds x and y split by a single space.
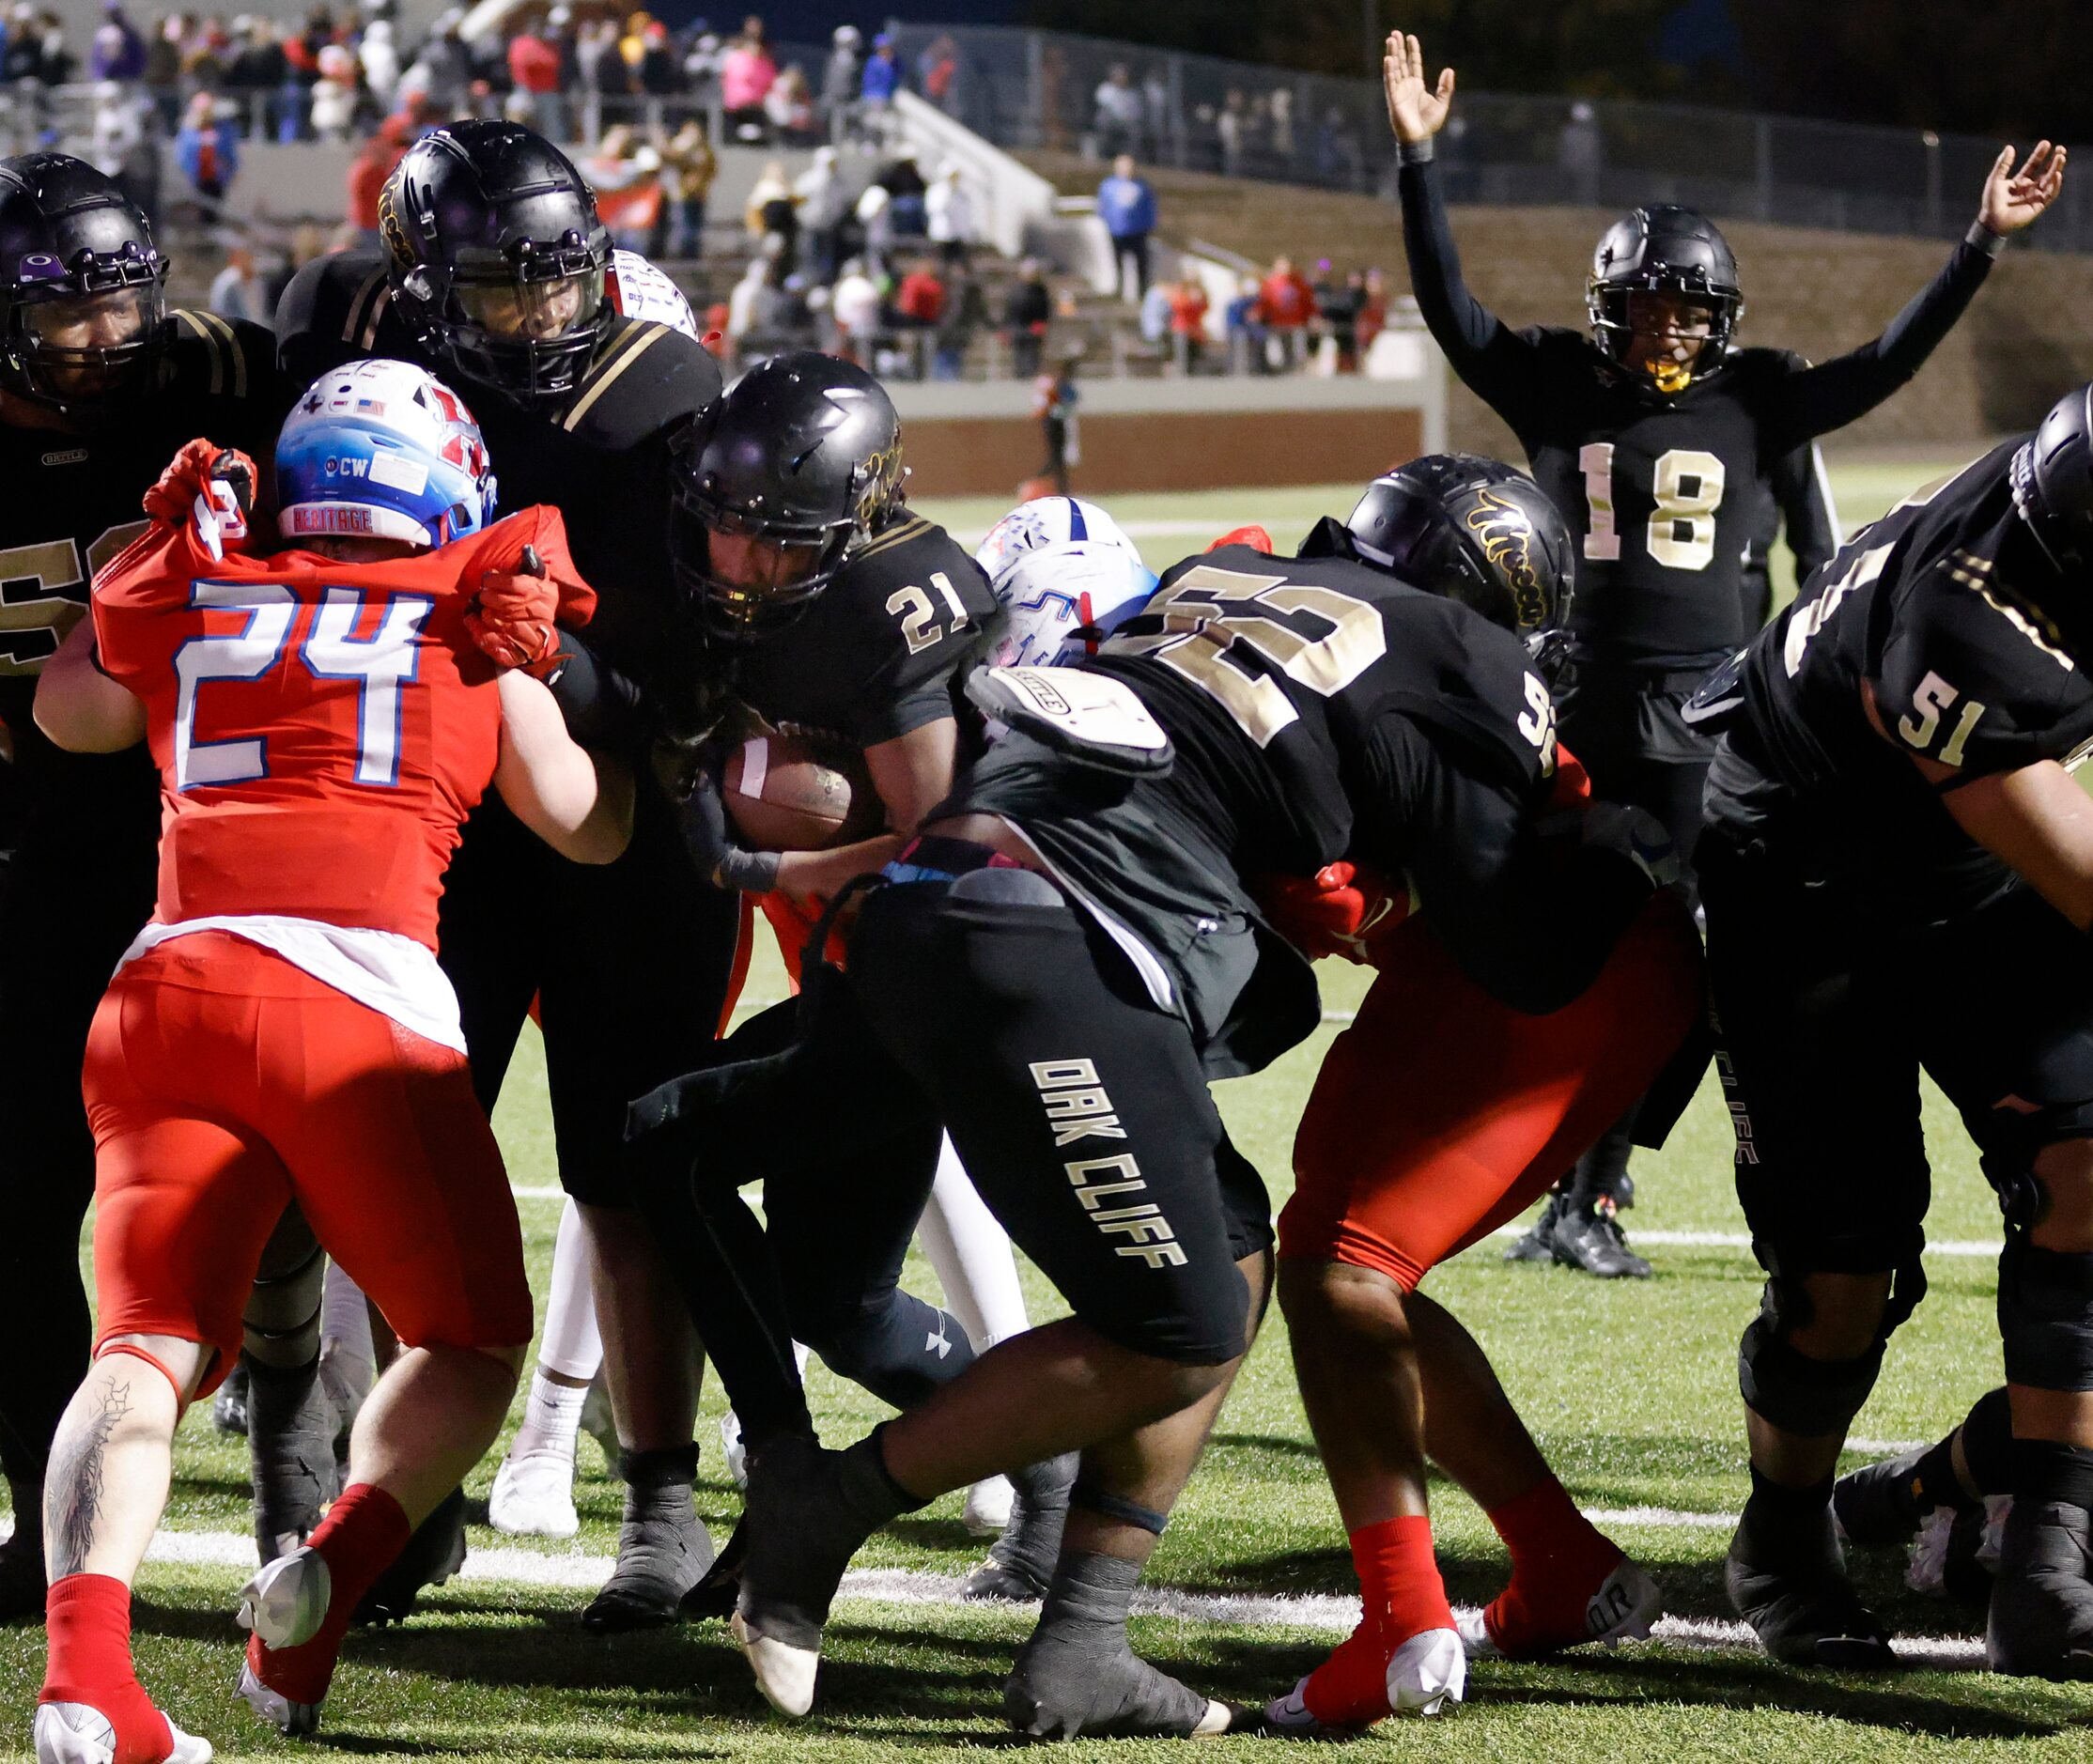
1740 1240
1327 1612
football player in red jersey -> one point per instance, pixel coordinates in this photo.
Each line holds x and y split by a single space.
323 721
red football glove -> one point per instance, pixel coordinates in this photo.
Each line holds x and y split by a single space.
512 617
1343 910
1253 535
216 484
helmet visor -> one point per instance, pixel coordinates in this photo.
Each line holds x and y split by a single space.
519 311
750 575
83 346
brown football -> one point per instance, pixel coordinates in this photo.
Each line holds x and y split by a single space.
788 791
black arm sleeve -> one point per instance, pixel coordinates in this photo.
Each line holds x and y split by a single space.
1494 360
600 705
1818 399
1804 493
1529 918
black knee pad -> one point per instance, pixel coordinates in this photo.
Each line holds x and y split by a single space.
1804 1395
281 1323
2045 1316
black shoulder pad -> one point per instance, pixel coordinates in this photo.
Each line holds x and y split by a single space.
645 378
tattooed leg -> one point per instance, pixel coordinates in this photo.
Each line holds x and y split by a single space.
113 1458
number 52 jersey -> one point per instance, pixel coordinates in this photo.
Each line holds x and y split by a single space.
321 728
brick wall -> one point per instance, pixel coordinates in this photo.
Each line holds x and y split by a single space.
2024 342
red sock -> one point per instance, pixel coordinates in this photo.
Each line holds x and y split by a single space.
88 1622
1559 1559
1402 1596
362 1532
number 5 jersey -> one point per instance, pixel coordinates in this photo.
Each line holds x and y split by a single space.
321 728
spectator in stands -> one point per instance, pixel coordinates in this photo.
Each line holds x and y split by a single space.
236 291
118 52
334 93
789 108
1282 112
126 146
691 167
825 213
965 313
535 72
701 66
841 78
1189 305
659 74
56 62
855 306
1245 329
207 150
938 75
1156 108
380 60
600 68
1341 303
625 173
903 181
1128 207
1054 404
162 74
1580 154
1373 311
444 69
207 55
369 170
1286 308
747 73
1027 308
1231 128
877 88
752 308
1154 318
1118 113
948 217
1338 159
919 301
773 213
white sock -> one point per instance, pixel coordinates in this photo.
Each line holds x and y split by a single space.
573 1346
973 1256
344 1330
551 1418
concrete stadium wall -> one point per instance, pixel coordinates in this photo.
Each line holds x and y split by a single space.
2024 342
982 438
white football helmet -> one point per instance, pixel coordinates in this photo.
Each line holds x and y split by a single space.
1059 601
1048 520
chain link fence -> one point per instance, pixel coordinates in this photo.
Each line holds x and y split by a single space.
1044 89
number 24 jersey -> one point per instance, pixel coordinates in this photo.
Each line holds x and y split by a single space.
321 728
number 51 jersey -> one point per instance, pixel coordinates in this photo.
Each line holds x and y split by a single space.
321 728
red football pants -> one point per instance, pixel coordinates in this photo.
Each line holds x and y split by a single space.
222 1083
1440 1114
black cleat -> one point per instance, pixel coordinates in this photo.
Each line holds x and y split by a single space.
1878 1504
1794 1593
229 1407
2041 1621
432 1555
1538 1243
1021 1562
663 1547
719 1587
1587 1237
291 1452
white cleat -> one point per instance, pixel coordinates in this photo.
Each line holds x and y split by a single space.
1429 1671
286 1601
273 1709
989 1507
732 1452
784 1673
1624 1609
534 1497
79 1733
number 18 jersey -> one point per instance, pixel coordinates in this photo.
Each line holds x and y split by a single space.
321 729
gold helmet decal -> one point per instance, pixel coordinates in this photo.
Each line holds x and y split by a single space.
392 228
1507 539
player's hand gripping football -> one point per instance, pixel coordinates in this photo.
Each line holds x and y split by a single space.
512 619
215 485
1343 910
1417 112
2013 199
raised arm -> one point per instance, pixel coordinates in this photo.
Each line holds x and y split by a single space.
80 707
1490 357
1832 394
580 803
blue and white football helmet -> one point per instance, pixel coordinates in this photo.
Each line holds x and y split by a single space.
1067 576
382 450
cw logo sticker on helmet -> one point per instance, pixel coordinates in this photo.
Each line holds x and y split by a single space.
1507 538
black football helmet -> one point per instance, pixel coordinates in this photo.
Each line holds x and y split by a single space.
497 257
1665 249
801 460
2053 484
1474 530
84 321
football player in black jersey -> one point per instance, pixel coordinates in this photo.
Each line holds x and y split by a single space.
1897 873
100 384
819 602
1057 966
490 273
1656 439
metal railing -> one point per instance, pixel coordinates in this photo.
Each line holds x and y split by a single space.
1040 89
